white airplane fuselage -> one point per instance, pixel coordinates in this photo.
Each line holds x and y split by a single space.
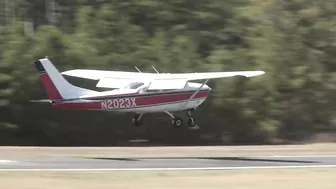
144 93
140 100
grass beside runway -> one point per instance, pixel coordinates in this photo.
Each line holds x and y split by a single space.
305 178
193 151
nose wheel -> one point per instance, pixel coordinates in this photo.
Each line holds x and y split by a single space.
191 120
177 121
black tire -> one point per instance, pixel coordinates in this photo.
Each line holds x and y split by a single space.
177 122
136 121
191 122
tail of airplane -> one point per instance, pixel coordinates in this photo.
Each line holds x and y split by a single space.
56 86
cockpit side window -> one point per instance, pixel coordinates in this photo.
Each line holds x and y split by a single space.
145 89
135 85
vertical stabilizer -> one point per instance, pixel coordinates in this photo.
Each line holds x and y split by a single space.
56 86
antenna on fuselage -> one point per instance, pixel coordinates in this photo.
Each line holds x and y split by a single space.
137 69
155 69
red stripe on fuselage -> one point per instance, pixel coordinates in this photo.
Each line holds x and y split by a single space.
132 102
167 98
50 88
79 105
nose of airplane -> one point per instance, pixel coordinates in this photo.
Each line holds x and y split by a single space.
197 86
206 87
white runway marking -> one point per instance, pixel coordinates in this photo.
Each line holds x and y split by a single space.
5 161
294 156
178 169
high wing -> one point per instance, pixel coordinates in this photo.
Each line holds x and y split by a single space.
119 79
99 74
210 75
116 83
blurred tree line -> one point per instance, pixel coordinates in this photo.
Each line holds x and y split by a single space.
293 41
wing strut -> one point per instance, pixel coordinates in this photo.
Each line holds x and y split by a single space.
193 95
155 70
137 69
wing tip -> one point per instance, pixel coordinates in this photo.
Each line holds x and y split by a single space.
255 73
261 72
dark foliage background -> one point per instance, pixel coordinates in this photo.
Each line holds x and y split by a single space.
293 41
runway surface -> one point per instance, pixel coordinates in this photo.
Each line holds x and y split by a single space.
101 163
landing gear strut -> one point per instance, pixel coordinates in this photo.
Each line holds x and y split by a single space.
176 121
137 121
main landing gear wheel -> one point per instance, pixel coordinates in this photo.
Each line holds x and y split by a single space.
136 120
177 122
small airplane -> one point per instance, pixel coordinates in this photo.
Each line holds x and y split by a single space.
135 92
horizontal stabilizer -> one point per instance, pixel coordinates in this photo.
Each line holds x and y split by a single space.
41 101
64 100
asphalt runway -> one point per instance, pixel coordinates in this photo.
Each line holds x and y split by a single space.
102 163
